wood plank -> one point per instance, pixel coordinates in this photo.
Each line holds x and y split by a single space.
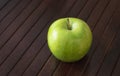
29 54
18 34
110 60
13 15
93 65
116 71
77 7
112 53
3 3
40 60
49 67
16 38
96 14
67 7
8 8
25 43
34 49
62 11
86 11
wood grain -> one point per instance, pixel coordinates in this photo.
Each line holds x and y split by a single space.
23 37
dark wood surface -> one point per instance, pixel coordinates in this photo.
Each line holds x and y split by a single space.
23 37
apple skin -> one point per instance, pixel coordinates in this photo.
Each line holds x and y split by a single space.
69 45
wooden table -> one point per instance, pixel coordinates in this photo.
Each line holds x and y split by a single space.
23 31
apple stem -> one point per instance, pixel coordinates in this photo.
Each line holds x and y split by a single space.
68 24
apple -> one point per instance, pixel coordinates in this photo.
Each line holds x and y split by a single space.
69 39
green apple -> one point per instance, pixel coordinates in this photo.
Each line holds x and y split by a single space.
69 39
